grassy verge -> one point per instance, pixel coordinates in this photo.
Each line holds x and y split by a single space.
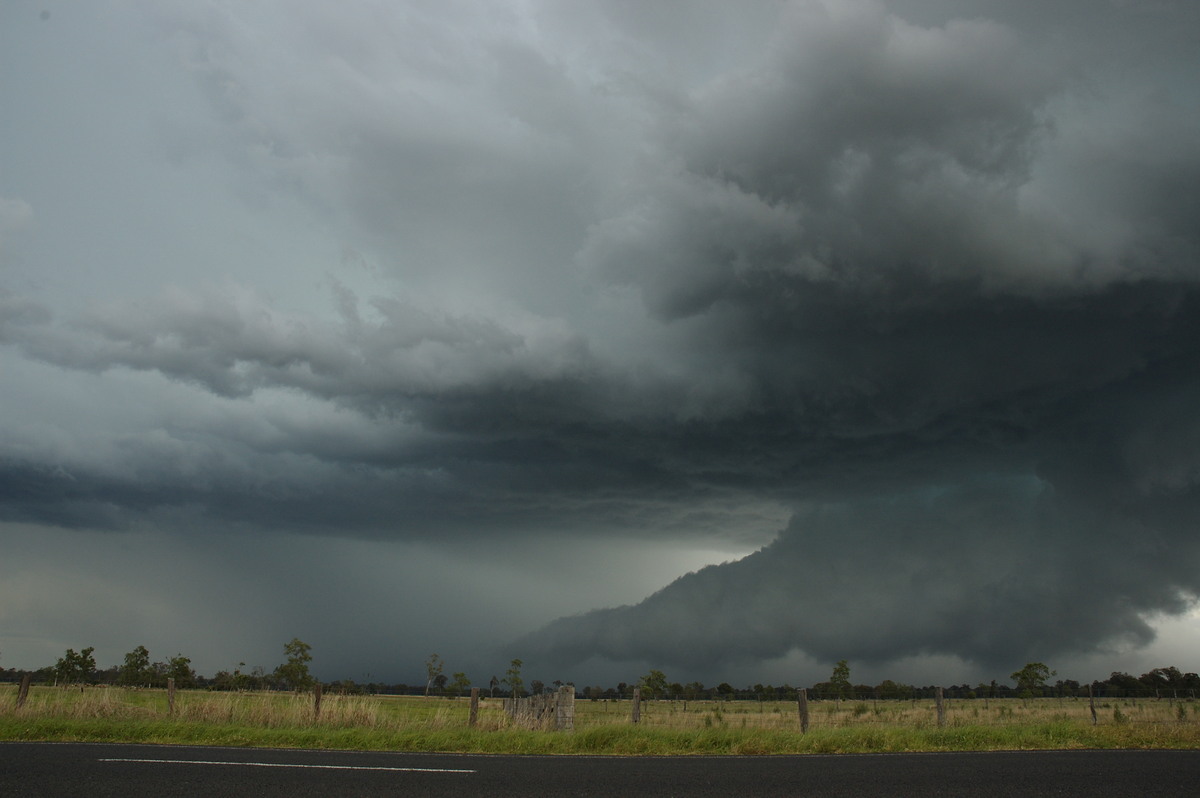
390 724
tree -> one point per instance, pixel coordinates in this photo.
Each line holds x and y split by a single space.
433 667
158 674
257 678
493 684
460 683
1031 679
1067 687
241 681
1162 678
1124 681
179 668
75 668
294 673
87 665
839 682
653 684
136 670
890 689
512 678
536 687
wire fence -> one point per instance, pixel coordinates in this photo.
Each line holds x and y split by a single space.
922 707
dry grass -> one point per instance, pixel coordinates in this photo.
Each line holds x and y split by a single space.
261 710
601 727
922 713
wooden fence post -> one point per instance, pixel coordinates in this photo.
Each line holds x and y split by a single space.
474 718
171 696
23 692
637 705
941 709
564 718
802 700
1092 704
317 702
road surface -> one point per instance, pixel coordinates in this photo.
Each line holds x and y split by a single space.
96 770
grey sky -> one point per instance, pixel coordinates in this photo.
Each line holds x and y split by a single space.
416 327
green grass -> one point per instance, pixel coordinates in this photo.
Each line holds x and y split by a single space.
384 723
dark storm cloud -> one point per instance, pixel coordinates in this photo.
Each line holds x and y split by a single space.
985 572
925 274
1049 520
460 422
964 390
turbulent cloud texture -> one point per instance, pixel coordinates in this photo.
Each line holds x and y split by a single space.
908 292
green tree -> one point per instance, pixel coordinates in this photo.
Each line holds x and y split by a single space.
890 689
653 684
460 684
1128 684
241 681
179 668
75 668
1159 678
158 674
294 673
433 667
136 670
1031 679
839 682
512 678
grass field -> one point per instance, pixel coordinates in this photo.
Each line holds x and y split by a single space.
106 714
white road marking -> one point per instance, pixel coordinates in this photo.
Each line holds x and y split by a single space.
285 765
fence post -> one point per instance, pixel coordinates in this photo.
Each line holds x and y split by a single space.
474 719
171 696
637 705
564 719
941 708
317 702
802 700
1092 704
23 692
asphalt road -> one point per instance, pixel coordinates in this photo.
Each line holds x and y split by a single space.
62 769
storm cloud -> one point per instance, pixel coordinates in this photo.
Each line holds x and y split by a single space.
902 297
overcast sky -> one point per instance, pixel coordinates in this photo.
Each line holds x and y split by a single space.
731 339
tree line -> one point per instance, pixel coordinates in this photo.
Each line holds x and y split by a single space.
1031 681
79 668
